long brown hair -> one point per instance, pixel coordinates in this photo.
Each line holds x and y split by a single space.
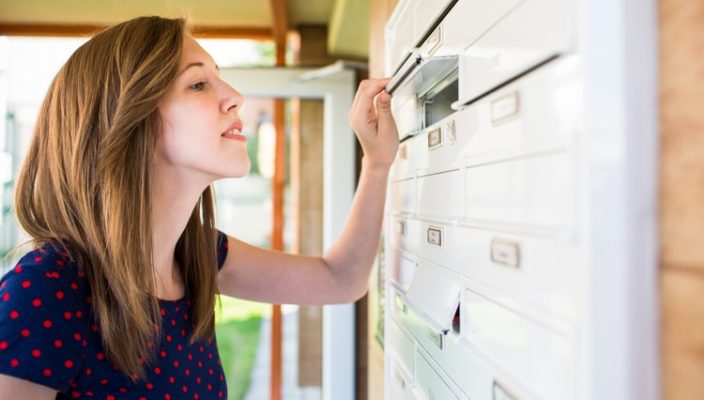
85 184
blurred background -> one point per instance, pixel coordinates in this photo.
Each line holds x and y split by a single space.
277 352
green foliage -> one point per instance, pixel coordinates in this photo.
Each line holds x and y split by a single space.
252 151
237 326
267 51
237 344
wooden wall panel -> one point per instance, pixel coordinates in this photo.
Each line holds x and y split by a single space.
681 24
310 235
307 193
682 335
682 132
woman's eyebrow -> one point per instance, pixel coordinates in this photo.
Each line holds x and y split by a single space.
195 64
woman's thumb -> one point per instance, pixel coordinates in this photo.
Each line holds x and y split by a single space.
385 118
383 102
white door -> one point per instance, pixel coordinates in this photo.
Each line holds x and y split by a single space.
336 88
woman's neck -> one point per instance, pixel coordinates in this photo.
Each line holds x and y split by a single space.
174 196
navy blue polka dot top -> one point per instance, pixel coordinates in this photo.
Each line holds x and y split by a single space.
48 336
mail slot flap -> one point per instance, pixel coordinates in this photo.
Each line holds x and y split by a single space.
539 111
534 32
421 74
469 19
434 295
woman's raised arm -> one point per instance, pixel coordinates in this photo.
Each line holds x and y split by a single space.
341 274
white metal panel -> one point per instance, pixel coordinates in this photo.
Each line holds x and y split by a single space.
443 145
531 33
402 197
429 384
399 35
527 271
401 382
539 112
406 112
537 272
404 234
619 168
426 13
542 359
412 156
536 191
439 195
403 347
402 268
589 119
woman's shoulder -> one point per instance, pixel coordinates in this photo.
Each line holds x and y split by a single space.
47 269
44 318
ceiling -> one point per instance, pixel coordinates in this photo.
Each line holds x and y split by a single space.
347 20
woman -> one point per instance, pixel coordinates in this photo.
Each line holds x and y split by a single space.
117 298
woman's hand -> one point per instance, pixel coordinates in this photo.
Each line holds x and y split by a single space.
371 119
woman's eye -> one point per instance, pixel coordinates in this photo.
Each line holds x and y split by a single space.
197 86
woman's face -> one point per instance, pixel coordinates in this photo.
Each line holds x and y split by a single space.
201 130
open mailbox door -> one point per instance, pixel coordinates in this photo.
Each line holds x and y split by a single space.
423 90
434 295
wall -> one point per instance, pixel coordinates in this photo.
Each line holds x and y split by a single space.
682 197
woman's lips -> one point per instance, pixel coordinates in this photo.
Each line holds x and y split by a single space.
234 134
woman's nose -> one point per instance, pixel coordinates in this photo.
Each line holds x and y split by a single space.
232 100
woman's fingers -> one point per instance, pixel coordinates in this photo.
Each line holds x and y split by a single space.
372 121
363 116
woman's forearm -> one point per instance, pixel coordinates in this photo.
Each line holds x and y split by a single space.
351 256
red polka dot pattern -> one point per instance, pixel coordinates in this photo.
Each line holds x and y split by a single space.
48 335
